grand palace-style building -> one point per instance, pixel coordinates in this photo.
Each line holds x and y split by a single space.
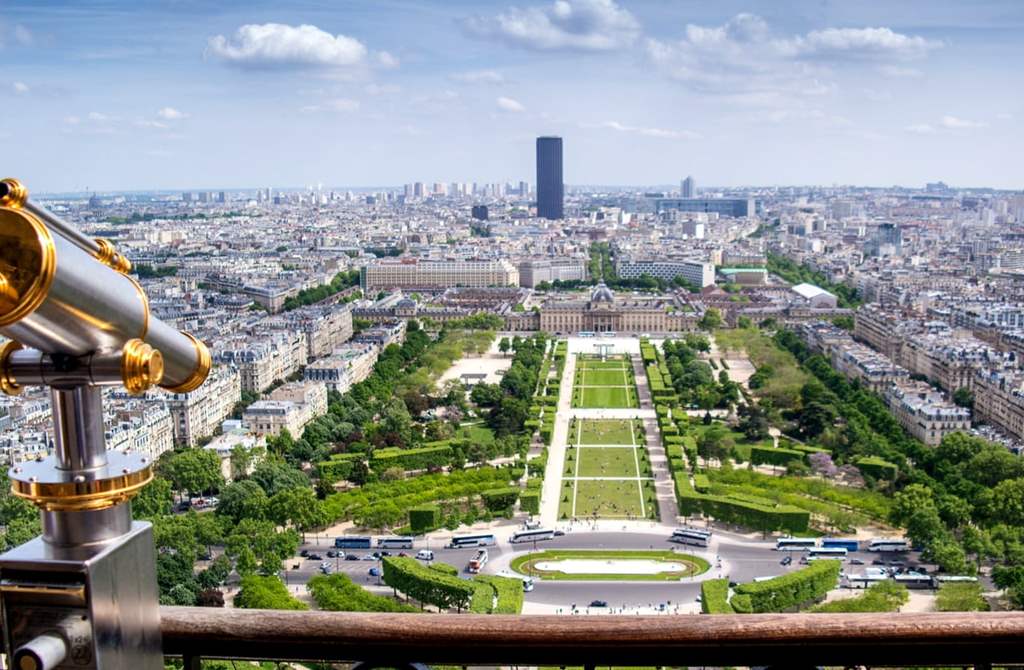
605 312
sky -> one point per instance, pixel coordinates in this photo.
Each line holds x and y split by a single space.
183 94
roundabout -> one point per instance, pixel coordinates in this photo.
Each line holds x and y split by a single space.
609 565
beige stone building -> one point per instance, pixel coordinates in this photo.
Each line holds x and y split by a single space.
198 414
417 273
291 406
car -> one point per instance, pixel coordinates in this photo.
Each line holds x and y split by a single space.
325 564
374 572
314 557
559 533
332 554
382 554
878 561
599 603
370 557
325 569
304 553
786 561
206 556
402 554
351 557
425 555
856 561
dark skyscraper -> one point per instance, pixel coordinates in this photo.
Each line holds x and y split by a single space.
550 188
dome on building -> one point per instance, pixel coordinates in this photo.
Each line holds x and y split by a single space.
602 294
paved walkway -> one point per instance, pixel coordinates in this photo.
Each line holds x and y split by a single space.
551 491
664 489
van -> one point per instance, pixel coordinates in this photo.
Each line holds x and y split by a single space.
425 555
532 524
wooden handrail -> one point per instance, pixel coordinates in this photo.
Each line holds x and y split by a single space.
755 639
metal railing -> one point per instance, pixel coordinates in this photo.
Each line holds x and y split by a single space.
979 640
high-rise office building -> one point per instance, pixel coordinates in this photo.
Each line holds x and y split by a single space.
550 188
688 189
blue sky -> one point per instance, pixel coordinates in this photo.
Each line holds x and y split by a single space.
185 94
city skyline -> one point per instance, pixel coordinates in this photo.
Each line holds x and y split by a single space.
180 96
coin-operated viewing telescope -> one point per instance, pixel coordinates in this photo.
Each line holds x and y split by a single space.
84 594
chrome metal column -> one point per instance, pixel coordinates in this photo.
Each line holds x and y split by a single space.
78 435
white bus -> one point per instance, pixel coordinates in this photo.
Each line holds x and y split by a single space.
865 580
880 544
914 580
484 540
827 552
939 580
795 543
532 535
394 543
695 536
477 563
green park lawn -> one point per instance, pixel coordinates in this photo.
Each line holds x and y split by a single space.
605 397
602 378
608 499
605 431
606 462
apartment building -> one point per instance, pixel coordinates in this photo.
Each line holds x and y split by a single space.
261 362
145 428
417 273
198 414
345 367
325 328
999 400
697 272
925 413
536 270
290 407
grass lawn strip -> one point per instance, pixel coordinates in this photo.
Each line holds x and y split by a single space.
524 564
607 498
607 462
605 431
607 397
636 461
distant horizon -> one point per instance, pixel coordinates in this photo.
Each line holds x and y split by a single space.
113 95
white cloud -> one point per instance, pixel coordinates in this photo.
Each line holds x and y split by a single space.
337 105
570 25
72 120
921 129
387 60
20 87
146 123
955 123
280 45
171 114
649 132
478 77
100 118
743 56
382 89
510 105
23 36
899 72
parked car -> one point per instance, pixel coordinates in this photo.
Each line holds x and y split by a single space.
599 603
326 569
559 533
370 557
314 557
304 553
425 555
375 572
331 553
856 561
786 561
351 557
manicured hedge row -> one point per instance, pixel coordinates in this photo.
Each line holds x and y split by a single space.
338 467
744 513
789 590
427 585
877 468
497 500
701 483
529 501
421 458
424 518
714 597
508 590
774 455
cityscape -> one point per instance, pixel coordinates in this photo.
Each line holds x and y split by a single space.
611 369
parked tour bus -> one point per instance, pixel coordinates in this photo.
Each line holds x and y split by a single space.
795 543
352 542
849 545
482 540
534 535
838 553
883 544
395 543
478 561
697 537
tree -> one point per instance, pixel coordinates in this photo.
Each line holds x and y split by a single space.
821 464
715 443
266 593
241 460
960 597
504 345
754 423
964 397
297 507
210 598
194 471
274 476
815 418
154 500
486 395
711 320
243 500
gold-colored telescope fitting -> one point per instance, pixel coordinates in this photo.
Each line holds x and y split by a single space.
142 366
8 385
110 257
16 195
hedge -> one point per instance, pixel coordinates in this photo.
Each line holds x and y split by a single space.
336 469
421 458
774 455
499 500
444 569
337 593
701 483
877 468
529 501
424 518
508 590
731 509
714 597
790 590
427 585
